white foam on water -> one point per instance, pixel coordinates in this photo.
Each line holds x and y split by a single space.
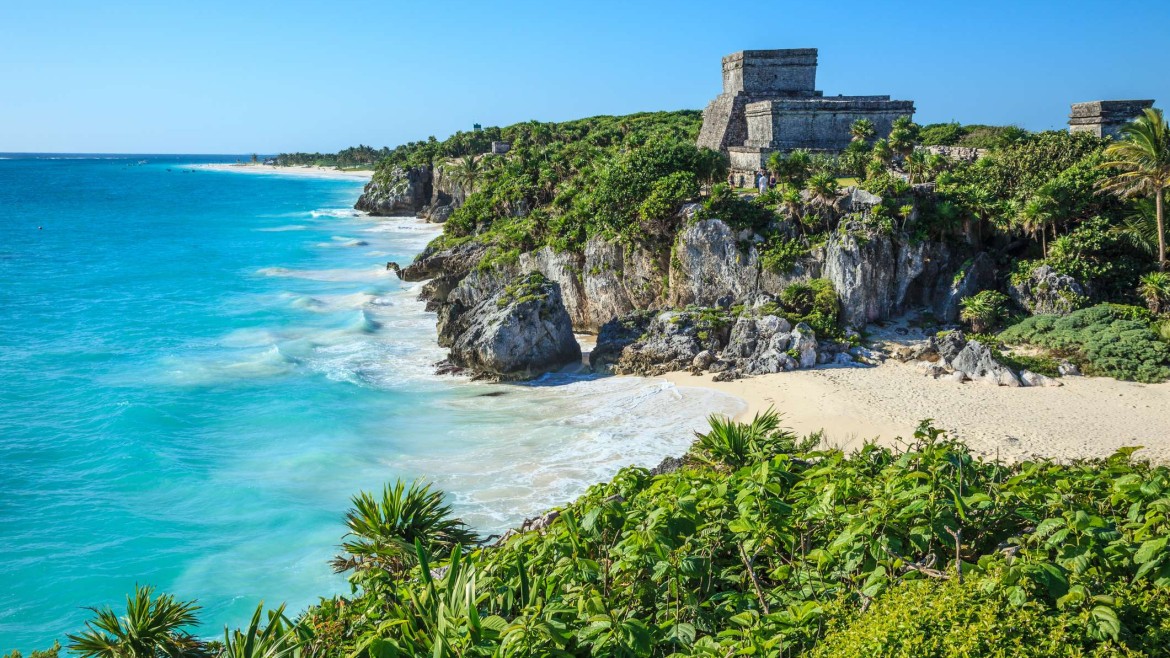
282 229
340 275
334 212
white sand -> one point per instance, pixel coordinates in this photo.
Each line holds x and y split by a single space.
1087 417
308 171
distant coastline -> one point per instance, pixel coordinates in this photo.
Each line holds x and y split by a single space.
307 171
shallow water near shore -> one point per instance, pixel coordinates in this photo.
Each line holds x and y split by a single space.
199 368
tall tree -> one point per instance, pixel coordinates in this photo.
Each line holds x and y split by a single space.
1141 159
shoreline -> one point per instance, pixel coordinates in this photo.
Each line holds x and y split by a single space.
306 171
1087 417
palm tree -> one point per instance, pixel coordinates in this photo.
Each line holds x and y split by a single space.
822 192
1155 288
862 130
1034 217
916 167
466 172
903 136
1140 226
386 530
735 444
1142 159
882 152
791 203
152 628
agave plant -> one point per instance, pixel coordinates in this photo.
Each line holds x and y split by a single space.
735 444
385 530
280 638
1155 288
151 628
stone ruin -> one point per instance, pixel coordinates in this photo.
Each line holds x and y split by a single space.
1104 118
770 103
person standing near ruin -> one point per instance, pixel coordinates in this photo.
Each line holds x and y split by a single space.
762 182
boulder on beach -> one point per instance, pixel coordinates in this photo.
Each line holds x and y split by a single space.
519 332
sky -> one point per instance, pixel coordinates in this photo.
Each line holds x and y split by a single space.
265 76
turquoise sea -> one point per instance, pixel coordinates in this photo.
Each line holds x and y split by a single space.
198 368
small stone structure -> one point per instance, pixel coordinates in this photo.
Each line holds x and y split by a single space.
770 103
1104 118
499 148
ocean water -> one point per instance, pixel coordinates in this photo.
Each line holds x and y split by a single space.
199 368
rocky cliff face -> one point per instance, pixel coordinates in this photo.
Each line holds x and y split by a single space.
428 193
401 192
710 264
517 332
882 276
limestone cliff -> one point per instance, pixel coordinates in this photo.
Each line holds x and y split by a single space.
708 264
428 192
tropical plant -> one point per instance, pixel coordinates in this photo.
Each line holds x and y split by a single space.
1155 289
1141 159
385 530
793 168
1034 217
983 310
734 443
862 130
153 627
1140 226
279 638
903 136
467 171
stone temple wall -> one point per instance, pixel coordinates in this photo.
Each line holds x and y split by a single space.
771 72
1105 118
770 103
820 125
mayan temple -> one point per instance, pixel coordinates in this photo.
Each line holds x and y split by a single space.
770 103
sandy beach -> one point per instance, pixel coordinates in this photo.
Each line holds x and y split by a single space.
307 171
1087 417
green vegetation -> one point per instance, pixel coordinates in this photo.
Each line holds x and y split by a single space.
354 157
51 652
815 303
527 288
984 310
764 544
971 136
1107 339
152 627
1142 163
781 254
622 177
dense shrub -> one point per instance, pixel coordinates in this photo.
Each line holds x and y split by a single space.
740 213
974 619
1110 339
1101 258
755 546
780 254
816 303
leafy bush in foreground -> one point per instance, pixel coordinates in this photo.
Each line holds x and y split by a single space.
954 619
1111 339
747 551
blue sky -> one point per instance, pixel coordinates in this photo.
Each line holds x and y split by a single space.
236 77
